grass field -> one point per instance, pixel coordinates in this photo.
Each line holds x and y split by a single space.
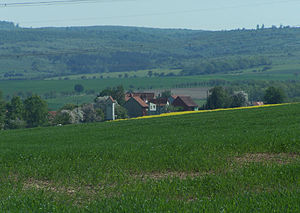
138 73
43 86
227 161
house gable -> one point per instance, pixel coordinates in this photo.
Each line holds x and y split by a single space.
136 107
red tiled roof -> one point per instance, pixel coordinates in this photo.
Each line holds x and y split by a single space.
140 101
129 95
127 98
258 103
142 95
111 99
52 113
188 101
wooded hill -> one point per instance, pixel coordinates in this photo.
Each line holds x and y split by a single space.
27 53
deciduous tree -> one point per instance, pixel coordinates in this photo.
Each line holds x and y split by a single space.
239 100
274 95
14 115
78 88
35 111
218 98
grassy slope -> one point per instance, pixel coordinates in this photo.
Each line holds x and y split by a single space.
176 163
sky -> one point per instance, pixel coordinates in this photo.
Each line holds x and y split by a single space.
184 14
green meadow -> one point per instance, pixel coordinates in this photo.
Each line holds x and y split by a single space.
92 86
129 74
244 160
276 72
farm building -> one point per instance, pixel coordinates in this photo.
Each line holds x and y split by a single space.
145 96
52 115
161 105
107 104
257 103
136 107
186 102
141 104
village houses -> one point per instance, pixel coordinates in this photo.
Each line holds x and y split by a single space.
142 104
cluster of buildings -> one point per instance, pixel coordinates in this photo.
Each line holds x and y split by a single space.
137 105
142 104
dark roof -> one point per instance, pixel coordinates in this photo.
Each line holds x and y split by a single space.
142 95
188 101
140 101
160 101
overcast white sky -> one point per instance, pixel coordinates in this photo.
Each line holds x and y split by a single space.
192 14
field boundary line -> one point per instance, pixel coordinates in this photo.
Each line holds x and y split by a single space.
201 111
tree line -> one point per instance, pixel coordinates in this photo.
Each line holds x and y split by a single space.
31 112
122 49
214 66
220 97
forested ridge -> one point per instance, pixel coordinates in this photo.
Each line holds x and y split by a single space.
27 53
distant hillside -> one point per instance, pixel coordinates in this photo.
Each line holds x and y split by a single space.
47 52
4 25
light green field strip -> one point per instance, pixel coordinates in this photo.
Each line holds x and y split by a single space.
202 111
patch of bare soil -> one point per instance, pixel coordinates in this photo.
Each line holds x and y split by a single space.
47 185
88 190
165 175
280 158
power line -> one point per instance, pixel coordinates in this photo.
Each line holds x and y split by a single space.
61 2
162 13
55 2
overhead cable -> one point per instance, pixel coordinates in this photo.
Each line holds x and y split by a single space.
55 2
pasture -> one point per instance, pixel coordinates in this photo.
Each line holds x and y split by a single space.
244 160
141 82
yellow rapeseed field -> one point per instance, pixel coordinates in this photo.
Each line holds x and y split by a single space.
200 111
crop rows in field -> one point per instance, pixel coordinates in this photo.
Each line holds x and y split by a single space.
238 160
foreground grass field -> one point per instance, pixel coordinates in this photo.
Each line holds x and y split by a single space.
244 160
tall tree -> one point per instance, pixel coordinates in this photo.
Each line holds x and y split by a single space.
78 88
15 109
117 93
239 100
218 98
35 111
166 94
150 73
14 114
274 95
